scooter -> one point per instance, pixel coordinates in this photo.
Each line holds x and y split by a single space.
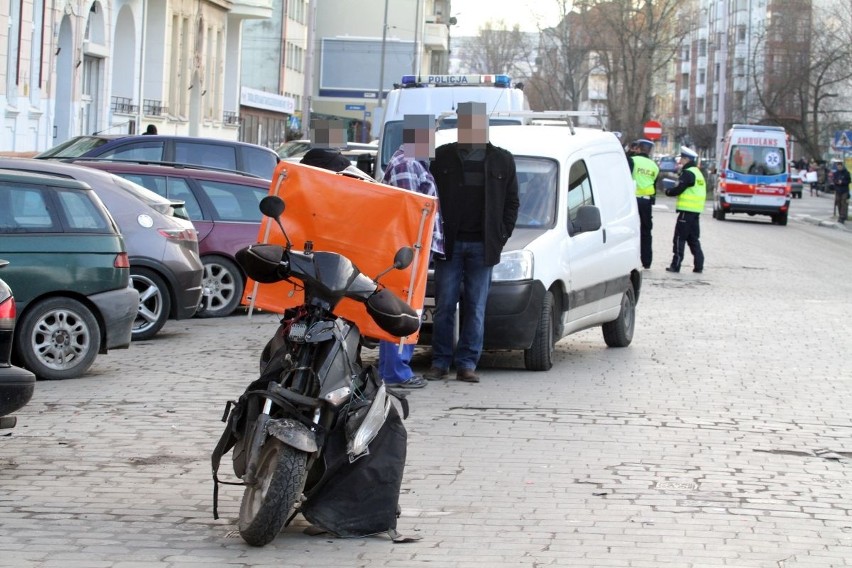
302 434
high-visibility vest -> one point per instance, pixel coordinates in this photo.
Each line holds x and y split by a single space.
692 199
645 172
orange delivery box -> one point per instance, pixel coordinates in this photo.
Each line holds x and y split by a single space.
365 221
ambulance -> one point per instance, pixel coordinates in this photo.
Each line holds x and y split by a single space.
754 175
440 95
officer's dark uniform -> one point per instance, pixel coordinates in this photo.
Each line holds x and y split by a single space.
645 172
691 192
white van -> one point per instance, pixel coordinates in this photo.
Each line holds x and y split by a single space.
573 259
438 95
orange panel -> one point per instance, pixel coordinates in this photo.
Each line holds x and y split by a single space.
367 222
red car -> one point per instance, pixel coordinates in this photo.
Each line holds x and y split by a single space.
16 384
223 206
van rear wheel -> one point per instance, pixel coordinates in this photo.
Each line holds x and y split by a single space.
539 357
619 332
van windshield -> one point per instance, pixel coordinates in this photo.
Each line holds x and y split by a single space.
757 160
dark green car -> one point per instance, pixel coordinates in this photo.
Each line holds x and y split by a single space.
69 271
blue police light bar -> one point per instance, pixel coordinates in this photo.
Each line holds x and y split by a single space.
503 81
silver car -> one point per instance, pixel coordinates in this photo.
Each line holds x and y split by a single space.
165 267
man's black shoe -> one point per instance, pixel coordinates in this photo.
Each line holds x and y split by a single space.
672 269
646 266
697 271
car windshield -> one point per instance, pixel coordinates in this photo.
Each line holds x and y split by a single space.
757 160
537 189
74 147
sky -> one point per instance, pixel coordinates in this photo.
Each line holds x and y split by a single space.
473 14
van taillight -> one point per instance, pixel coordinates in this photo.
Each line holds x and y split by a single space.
121 260
7 313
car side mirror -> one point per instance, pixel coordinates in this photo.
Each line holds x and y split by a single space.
588 219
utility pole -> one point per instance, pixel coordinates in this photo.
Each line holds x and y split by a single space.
382 63
308 88
723 80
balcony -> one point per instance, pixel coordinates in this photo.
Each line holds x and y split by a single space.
123 105
436 37
251 9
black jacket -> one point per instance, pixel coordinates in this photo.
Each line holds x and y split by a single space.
501 197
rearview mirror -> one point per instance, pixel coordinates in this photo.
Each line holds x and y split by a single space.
403 257
272 206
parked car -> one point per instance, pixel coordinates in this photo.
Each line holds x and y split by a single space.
362 156
70 272
208 152
572 262
165 266
224 207
16 384
668 164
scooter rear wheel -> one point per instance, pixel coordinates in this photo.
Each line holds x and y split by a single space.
267 504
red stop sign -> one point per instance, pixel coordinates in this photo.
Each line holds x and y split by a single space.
653 130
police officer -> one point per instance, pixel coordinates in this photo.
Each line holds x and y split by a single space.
691 192
645 172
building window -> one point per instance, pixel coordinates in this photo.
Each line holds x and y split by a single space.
702 47
702 77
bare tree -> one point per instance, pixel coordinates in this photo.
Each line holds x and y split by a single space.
797 68
562 72
497 49
634 42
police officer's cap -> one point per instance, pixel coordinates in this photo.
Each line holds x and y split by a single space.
645 146
688 153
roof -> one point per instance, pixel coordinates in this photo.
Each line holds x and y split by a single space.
539 140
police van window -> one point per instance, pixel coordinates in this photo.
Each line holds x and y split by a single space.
579 189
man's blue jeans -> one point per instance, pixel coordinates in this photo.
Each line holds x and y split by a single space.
394 367
466 268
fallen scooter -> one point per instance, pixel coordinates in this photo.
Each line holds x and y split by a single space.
317 434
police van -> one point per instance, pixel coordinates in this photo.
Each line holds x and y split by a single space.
754 176
572 261
439 95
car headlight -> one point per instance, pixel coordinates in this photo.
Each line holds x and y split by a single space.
514 265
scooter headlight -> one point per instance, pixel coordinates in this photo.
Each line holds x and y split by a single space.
369 428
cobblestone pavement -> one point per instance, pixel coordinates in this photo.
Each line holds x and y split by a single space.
721 437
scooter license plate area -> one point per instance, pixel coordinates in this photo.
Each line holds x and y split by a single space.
297 332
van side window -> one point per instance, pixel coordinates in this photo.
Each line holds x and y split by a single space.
579 189
233 202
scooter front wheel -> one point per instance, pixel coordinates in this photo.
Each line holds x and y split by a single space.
268 503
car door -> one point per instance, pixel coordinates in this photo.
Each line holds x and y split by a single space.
586 284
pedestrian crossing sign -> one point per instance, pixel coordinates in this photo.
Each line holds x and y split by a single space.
843 140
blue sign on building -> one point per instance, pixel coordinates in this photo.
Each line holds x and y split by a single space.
356 107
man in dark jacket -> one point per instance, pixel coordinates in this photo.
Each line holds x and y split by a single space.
478 194
841 180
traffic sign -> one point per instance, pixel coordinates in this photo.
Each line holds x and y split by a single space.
843 140
356 107
653 130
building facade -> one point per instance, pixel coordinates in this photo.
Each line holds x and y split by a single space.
73 67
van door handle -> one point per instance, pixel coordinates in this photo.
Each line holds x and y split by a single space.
604 235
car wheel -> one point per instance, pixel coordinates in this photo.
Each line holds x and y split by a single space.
720 213
619 332
539 357
223 287
780 219
155 304
58 338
